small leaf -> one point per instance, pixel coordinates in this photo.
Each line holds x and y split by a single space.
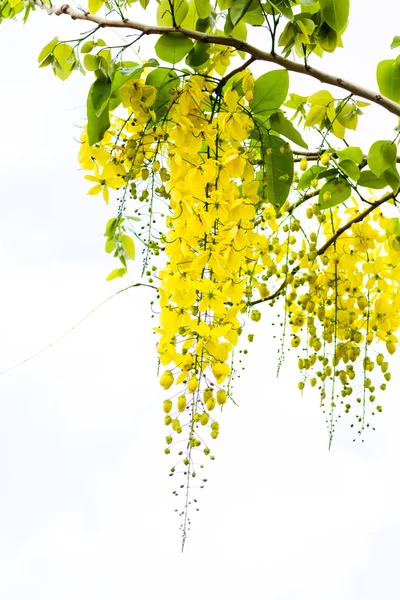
173 47
308 176
381 156
350 169
396 42
335 13
203 8
111 226
95 5
48 49
98 124
91 63
100 93
110 245
88 46
339 192
369 180
164 16
238 10
116 273
388 78
353 153
279 169
198 56
129 246
270 91
282 125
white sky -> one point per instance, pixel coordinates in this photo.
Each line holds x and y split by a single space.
86 510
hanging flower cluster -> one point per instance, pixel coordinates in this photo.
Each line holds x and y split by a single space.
209 174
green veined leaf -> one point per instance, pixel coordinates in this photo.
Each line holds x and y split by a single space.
308 176
98 124
126 72
116 273
369 180
128 246
198 55
270 91
388 78
396 42
110 245
339 192
238 10
164 17
353 153
173 47
282 125
100 93
381 156
163 79
350 169
203 8
48 49
279 169
335 13
88 46
95 5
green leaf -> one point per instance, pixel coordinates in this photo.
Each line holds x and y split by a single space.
339 192
88 46
392 179
350 169
279 169
164 16
381 156
110 246
353 153
64 61
91 63
396 42
116 273
327 38
270 91
282 125
100 93
335 13
198 56
111 226
48 49
369 180
388 78
95 5
163 79
126 72
173 47
128 246
308 176
238 10
203 8
98 124
254 17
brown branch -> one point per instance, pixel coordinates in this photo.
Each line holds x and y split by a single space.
329 242
231 42
315 154
357 219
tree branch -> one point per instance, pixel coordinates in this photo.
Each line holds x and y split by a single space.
232 42
356 219
336 235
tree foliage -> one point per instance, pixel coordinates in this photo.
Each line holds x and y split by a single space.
212 177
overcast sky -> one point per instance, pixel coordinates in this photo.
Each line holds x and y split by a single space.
86 510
